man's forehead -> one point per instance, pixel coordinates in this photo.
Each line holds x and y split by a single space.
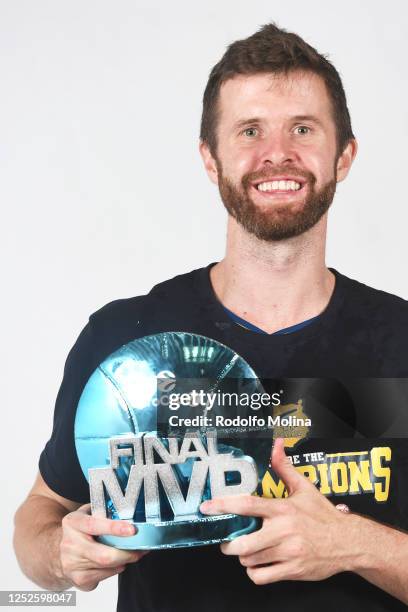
298 92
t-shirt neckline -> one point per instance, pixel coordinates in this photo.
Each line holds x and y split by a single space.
214 310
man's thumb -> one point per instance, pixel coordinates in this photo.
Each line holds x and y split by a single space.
282 466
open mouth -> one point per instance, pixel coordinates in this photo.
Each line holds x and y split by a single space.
279 186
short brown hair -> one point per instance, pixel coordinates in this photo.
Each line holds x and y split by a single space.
274 50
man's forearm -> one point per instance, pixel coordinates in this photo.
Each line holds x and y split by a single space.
380 555
36 541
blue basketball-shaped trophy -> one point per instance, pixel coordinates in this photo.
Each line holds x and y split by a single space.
139 468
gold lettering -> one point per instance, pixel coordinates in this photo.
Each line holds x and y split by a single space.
309 471
324 480
339 477
381 489
360 476
270 488
339 485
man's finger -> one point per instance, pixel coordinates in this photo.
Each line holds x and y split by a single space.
88 580
252 543
262 557
283 467
103 556
82 521
246 505
270 573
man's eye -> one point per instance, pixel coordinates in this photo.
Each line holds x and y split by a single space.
302 129
251 132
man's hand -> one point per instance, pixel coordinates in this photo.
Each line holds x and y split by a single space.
84 561
303 536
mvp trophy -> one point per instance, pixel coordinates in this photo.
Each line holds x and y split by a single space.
150 443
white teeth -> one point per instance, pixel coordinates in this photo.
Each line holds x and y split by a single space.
279 185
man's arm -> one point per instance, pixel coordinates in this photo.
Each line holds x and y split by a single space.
54 542
304 537
383 556
37 535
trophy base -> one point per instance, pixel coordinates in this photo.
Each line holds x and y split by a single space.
200 531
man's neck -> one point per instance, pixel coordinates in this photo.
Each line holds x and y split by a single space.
274 285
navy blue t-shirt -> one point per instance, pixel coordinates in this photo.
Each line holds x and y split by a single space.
362 335
286 330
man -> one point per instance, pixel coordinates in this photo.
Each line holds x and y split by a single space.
276 138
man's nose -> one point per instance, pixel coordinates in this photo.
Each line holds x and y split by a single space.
278 149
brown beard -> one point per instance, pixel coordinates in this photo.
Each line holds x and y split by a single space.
276 222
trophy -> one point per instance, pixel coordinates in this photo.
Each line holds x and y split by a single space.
154 440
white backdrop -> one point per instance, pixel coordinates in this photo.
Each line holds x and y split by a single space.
102 189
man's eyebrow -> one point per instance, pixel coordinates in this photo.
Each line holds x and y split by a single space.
257 120
307 119
244 122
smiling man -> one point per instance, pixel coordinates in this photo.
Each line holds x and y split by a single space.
276 161
276 139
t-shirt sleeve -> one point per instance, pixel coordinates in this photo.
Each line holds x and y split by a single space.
59 465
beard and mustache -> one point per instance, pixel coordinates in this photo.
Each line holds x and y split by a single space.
275 221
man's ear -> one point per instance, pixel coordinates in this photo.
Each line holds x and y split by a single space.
209 162
346 159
